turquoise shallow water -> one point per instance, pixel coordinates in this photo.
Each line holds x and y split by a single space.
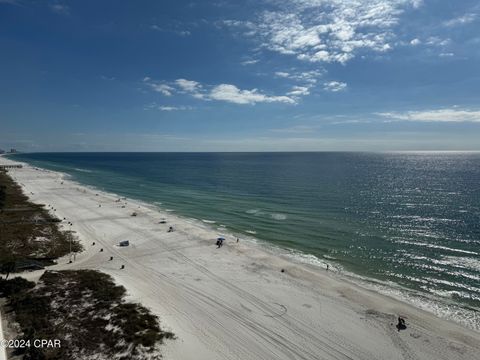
405 223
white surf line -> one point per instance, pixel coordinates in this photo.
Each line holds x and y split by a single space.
3 353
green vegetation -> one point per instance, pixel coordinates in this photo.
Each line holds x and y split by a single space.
29 235
83 309
87 312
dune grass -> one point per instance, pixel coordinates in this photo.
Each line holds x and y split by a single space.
27 230
87 312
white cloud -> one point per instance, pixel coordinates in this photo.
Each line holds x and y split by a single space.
327 30
417 3
440 115
249 62
155 106
415 42
188 85
60 9
173 108
223 92
350 121
437 41
230 93
297 129
236 23
309 77
160 87
334 86
175 31
461 20
299 91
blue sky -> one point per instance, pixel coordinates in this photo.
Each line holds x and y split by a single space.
263 75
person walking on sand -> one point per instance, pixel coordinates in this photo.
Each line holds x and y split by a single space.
401 324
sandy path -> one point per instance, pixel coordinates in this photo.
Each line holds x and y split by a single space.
233 302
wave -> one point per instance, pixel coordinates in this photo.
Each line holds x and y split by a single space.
258 212
278 216
453 261
208 221
417 218
433 246
444 307
310 260
451 284
453 294
83 170
464 262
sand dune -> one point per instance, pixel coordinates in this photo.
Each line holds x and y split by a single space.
234 302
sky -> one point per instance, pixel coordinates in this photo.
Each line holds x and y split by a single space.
244 75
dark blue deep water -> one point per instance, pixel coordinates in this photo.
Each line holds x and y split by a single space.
405 223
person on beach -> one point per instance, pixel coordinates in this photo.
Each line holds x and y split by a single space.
401 324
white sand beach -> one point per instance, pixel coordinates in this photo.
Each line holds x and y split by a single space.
234 302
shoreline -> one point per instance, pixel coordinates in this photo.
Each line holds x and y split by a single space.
442 307
212 294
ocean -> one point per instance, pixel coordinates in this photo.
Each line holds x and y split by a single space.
405 224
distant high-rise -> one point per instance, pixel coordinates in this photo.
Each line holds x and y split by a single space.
12 150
